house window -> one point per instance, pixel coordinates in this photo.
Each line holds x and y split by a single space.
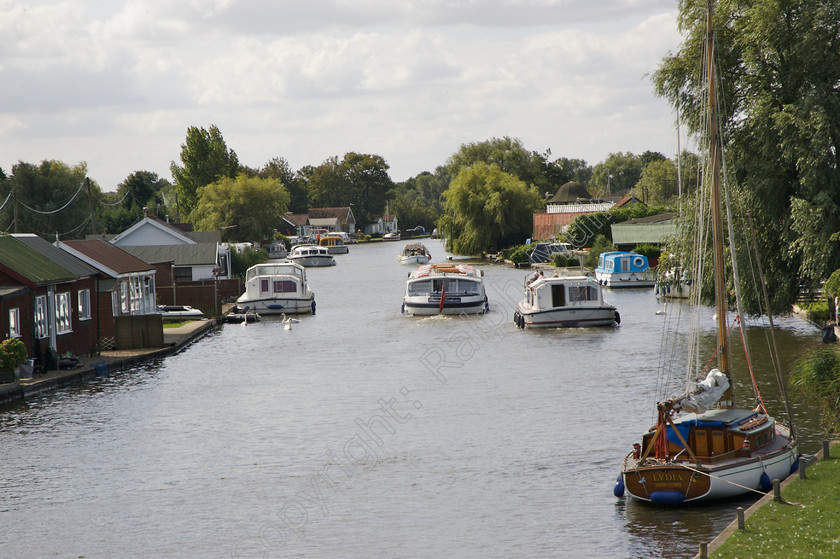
41 330
62 313
125 302
84 304
182 273
14 323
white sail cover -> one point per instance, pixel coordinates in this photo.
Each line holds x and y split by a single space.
705 393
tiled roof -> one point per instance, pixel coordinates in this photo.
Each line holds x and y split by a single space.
108 255
181 255
29 264
297 219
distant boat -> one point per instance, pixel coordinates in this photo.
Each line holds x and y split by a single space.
414 253
624 269
311 255
392 236
564 302
334 244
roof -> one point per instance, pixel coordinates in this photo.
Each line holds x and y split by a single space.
29 265
569 192
297 219
63 259
7 292
181 255
340 213
658 218
105 257
324 221
166 229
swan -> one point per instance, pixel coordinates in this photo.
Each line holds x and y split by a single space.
287 322
664 308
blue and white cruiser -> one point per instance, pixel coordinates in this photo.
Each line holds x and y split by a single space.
624 269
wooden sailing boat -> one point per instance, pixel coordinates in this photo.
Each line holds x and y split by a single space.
702 446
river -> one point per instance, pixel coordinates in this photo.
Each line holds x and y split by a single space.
360 433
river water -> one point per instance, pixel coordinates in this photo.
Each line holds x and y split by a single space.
360 433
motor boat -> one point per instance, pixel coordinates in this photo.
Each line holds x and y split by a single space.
445 289
277 288
563 302
311 255
414 253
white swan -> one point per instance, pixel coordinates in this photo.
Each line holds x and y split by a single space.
287 322
664 308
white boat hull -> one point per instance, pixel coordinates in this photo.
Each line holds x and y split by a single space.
277 305
313 261
567 317
625 279
418 259
430 305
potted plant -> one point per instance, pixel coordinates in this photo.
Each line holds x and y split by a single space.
12 355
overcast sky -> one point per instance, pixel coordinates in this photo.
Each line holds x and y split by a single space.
117 83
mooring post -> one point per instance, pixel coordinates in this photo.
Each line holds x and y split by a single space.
777 490
704 551
740 513
826 454
802 465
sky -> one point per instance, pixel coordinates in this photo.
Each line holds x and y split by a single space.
117 83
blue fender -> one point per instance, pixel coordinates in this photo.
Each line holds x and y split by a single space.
766 482
667 497
618 488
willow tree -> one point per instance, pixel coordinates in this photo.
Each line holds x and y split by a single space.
487 209
251 206
779 68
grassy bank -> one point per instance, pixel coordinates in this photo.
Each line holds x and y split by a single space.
809 529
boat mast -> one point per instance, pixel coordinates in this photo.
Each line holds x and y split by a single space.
717 214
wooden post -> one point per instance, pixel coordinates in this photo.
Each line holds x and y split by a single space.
802 465
777 490
704 551
740 513
826 454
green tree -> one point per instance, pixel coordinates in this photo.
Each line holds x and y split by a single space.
278 168
253 206
779 69
206 159
658 183
49 199
360 180
487 209
618 173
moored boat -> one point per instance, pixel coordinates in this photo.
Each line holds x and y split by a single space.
445 289
311 256
179 312
624 269
275 288
392 236
414 253
334 244
703 447
564 302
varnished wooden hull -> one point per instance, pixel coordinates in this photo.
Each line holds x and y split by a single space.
684 482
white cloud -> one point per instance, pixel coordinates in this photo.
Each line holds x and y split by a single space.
117 84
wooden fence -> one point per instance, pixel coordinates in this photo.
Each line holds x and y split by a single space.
206 295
